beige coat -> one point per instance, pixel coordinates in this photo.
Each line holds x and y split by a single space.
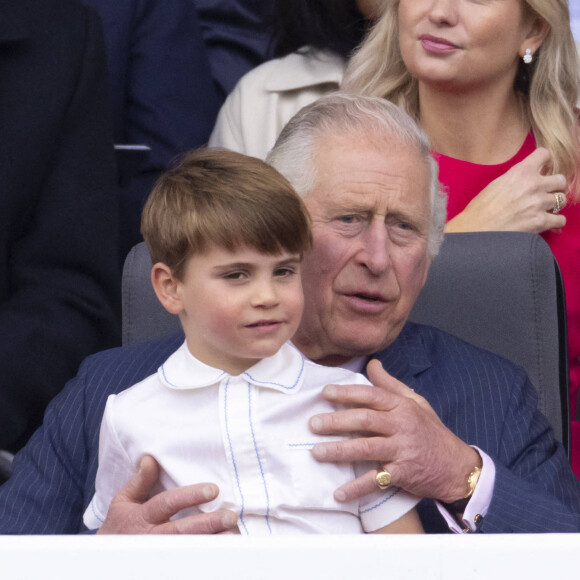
267 97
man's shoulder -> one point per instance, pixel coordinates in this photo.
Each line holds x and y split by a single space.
429 347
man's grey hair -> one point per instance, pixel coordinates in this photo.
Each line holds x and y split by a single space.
294 153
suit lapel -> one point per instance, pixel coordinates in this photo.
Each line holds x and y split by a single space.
407 357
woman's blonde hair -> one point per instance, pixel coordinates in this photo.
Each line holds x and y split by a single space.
549 85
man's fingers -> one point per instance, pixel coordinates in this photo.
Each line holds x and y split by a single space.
357 488
138 488
379 377
361 421
370 405
163 506
355 395
383 398
361 449
205 523
133 511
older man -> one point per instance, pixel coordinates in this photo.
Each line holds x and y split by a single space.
445 420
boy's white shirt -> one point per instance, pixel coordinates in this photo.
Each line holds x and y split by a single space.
248 434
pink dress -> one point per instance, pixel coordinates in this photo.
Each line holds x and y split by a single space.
464 181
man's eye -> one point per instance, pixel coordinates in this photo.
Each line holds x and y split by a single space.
347 219
398 224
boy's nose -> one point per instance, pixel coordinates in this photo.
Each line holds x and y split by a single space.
265 296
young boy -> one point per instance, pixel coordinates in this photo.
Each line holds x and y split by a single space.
226 234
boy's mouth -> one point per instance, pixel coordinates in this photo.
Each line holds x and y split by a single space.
263 323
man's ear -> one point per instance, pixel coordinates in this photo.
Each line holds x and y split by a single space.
537 32
167 288
426 273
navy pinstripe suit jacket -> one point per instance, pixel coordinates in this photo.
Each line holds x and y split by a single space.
484 399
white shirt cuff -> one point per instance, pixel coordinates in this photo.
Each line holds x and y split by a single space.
478 503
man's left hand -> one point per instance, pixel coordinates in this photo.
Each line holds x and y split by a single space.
398 429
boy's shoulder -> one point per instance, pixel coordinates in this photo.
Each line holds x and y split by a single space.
114 370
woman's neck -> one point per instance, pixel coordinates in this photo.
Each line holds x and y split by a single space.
487 128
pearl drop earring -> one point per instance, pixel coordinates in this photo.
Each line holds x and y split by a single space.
528 56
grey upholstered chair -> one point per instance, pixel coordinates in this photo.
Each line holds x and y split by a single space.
503 291
500 291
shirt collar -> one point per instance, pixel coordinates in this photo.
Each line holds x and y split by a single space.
356 365
305 68
282 372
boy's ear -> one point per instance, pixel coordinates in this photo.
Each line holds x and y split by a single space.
167 288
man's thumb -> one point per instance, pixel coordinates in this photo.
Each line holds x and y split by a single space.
138 488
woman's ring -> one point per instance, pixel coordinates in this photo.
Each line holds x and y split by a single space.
560 202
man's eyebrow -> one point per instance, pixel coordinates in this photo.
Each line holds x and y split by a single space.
349 206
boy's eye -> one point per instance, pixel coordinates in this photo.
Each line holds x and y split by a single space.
234 275
284 272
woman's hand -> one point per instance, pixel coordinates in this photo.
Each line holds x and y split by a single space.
523 199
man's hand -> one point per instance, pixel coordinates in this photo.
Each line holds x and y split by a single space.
399 430
132 512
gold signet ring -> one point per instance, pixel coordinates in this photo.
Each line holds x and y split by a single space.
383 479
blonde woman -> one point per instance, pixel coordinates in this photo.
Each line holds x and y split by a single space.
495 86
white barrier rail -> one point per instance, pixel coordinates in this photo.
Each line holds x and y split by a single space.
229 557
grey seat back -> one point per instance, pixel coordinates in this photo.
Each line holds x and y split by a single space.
497 290
502 291
143 316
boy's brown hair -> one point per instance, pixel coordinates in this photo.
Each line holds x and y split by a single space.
226 198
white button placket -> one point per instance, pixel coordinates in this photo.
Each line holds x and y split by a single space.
239 420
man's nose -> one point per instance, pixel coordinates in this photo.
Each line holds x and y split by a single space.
374 254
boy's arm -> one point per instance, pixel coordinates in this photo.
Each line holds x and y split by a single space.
115 469
406 524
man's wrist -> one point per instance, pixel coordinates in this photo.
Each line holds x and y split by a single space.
466 483
459 505
469 518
